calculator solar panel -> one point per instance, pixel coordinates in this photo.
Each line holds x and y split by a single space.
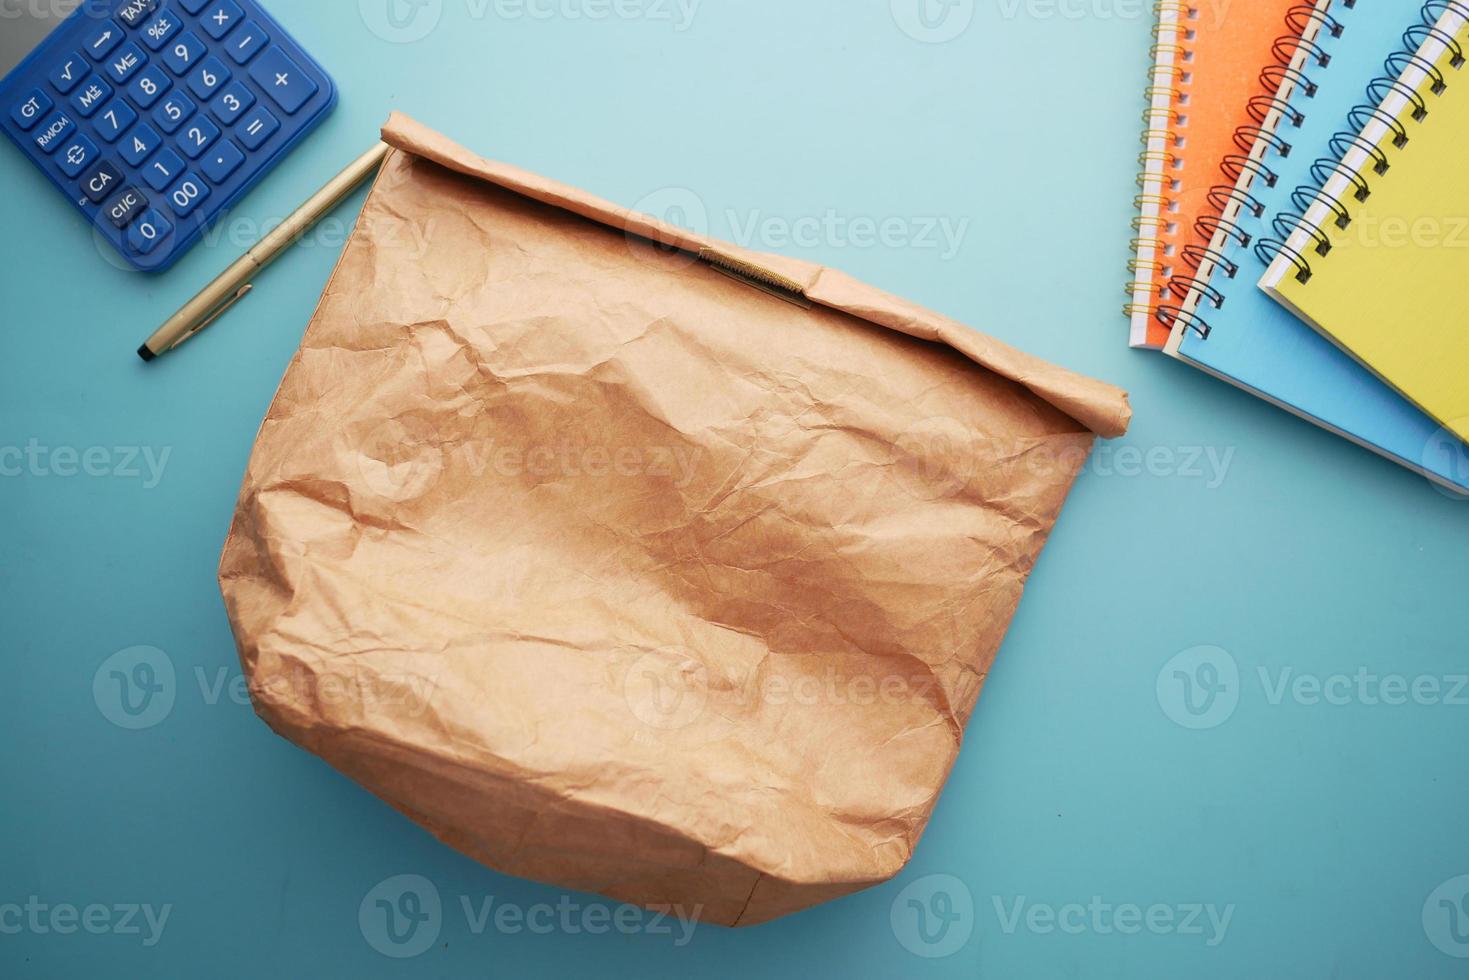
154 116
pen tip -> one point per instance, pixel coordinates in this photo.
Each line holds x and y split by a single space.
145 353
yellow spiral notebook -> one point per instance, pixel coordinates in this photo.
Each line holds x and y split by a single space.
1380 264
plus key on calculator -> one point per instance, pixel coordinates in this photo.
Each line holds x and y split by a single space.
154 116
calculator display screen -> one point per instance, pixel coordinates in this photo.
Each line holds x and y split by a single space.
24 24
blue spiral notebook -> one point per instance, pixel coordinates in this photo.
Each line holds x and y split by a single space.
1231 328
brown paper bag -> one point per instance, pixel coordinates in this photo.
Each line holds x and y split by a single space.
666 571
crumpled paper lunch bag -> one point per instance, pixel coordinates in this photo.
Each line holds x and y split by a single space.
628 561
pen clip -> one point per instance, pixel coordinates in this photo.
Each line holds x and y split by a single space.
219 311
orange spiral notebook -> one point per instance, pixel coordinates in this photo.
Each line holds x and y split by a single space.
1209 58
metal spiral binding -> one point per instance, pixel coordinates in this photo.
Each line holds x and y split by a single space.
1291 223
1268 110
1166 85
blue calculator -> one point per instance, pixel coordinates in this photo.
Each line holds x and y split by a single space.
154 116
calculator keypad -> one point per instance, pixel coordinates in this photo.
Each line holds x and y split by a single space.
148 115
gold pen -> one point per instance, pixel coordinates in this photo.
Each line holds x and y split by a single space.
233 284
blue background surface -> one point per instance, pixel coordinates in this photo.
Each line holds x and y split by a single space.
1325 831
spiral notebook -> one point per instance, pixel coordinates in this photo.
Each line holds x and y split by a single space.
1206 59
1381 262
1229 327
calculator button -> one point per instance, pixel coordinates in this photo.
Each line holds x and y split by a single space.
198 136
246 44
100 181
222 161
184 53
133 12
163 170
160 29
148 231
208 77
140 144
174 112
29 112
193 6
257 127
116 118
100 42
220 18
124 207
282 79
76 156
234 99
90 96
149 86
54 132
187 195
125 62
69 73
